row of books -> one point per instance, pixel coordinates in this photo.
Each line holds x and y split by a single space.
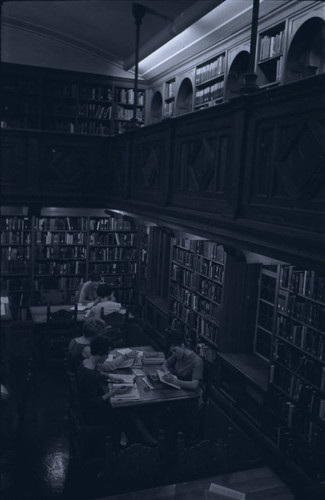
60 252
61 238
125 296
303 282
309 313
209 269
16 238
120 239
11 285
181 294
118 281
183 257
126 96
122 113
59 108
110 224
58 89
206 352
206 329
185 243
93 127
61 283
181 275
57 268
15 223
300 363
113 253
62 224
210 250
113 268
211 290
271 45
99 111
210 70
206 308
15 253
15 266
294 386
96 93
181 311
209 93
309 340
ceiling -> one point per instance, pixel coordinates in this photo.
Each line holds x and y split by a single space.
105 27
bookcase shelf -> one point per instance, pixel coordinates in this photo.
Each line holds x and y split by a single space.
169 98
271 45
196 285
124 107
209 82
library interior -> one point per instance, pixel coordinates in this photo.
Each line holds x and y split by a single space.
162 236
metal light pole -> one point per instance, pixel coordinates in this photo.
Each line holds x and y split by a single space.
138 12
250 77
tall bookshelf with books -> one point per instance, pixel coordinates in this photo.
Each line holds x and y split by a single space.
266 306
169 98
209 82
94 114
196 289
60 258
270 55
16 263
297 373
59 105
124 108
113 254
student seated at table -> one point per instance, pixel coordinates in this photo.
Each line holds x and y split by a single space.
184 367
106 303
94 399
79 347
88 292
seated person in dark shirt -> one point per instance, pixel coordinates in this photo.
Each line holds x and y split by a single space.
184 367
79 347
94 399
88 292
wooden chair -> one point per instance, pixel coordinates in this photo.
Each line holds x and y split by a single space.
136 467
205 458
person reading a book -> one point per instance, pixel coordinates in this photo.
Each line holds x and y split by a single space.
88 292
106 303
184 367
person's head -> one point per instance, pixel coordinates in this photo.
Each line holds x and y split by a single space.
95 278
99 348
177 343
93 327
105 291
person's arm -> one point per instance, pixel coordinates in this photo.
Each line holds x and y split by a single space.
189 385
110 366
114 392
169 364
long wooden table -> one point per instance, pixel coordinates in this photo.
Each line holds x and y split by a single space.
258 484
39 313
151 396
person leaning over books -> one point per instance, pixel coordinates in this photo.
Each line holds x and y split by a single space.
184 368
79 347
88 292
105 304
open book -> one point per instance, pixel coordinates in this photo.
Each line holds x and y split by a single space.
223 493
161 375
131 395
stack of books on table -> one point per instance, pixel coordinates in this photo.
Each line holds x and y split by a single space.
153 358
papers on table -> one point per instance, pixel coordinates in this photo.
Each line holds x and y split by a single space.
161 375
125 350
216 491
127 379
131 395
80 307
127 363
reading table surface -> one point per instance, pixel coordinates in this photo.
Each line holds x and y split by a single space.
258 484
39 313
151 396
